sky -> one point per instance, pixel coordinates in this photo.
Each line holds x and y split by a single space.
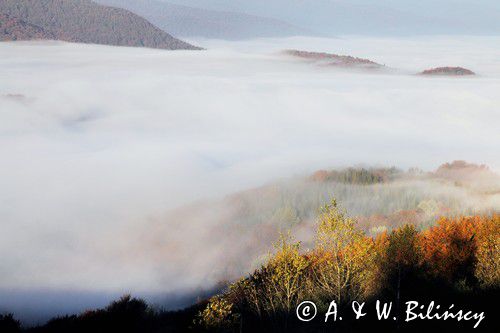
96 141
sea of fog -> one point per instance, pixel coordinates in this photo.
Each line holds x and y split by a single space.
95 141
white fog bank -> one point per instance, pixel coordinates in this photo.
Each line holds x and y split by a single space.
95 141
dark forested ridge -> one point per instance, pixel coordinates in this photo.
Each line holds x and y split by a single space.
83 21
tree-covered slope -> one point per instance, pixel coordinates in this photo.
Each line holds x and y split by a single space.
12 28
84 21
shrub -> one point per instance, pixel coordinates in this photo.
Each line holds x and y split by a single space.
8 324
217 315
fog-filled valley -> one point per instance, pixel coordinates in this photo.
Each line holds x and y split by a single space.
150 172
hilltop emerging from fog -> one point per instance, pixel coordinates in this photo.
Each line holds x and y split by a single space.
448 71
380 199
331 59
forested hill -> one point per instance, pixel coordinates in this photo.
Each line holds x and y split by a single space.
84 21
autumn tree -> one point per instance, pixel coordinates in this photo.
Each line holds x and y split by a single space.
402 256
273 291
403 249
218 315
286 271
449 248
343 258
487 268
347 265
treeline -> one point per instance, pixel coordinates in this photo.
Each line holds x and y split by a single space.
252 220
127 314
457 261
357 176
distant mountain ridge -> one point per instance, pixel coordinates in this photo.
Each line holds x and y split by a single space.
373 18
82 21
197 22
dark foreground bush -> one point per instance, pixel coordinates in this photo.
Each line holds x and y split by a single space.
126 315
8 324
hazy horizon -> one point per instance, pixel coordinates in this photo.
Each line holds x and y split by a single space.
365 17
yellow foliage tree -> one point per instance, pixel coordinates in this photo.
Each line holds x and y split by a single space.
286 272
488 253
218 314
343 263
276 287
